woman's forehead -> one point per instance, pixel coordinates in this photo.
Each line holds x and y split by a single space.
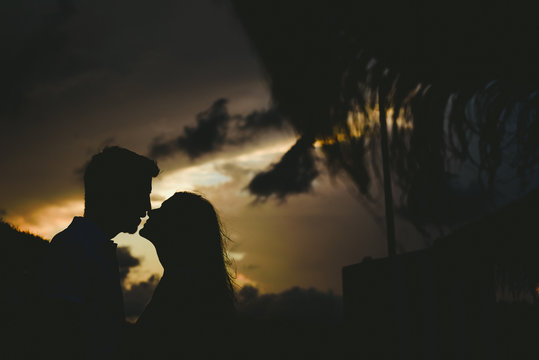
171 204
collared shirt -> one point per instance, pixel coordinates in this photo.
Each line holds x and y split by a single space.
82 268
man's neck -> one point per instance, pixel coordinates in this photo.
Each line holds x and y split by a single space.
103 223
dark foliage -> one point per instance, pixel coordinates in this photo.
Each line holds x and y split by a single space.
507 239
463 75
296 323
472 294
293 305
22 256
23 253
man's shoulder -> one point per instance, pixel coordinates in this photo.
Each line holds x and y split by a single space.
75 236
65 267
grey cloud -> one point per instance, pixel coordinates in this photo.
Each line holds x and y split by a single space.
254 123
293 174
126 261
262 119
208 135
136 298
215 128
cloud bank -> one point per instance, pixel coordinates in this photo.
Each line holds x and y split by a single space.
126 262
215 128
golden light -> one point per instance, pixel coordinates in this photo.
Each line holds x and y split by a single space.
48 220
242 280
360 124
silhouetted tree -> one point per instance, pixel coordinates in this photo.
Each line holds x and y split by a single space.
461 82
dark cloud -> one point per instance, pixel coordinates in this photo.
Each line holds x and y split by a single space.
3 212
136 298
293 304
293 174
126 261
208 135
257 121
215 128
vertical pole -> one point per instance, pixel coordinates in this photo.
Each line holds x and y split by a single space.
390 222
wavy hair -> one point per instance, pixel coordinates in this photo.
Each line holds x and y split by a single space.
206 241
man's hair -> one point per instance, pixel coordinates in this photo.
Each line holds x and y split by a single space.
114 169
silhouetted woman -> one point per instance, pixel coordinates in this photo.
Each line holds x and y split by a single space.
192 308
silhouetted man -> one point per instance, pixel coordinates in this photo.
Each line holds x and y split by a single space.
81 277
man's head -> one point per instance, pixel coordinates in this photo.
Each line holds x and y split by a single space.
117 186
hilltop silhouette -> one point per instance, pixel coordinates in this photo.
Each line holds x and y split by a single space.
22 256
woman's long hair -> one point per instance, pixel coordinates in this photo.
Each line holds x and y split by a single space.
203 240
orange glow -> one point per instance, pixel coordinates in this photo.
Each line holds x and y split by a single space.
358 125
48 220
242 280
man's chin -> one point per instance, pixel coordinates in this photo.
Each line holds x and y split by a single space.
132 229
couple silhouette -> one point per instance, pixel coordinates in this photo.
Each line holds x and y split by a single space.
191 308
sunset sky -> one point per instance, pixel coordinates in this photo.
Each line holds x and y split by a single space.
297 121
79 75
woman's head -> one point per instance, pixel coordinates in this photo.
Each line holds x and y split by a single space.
186 230
185 227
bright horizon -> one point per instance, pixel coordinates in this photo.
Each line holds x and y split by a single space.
223 181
